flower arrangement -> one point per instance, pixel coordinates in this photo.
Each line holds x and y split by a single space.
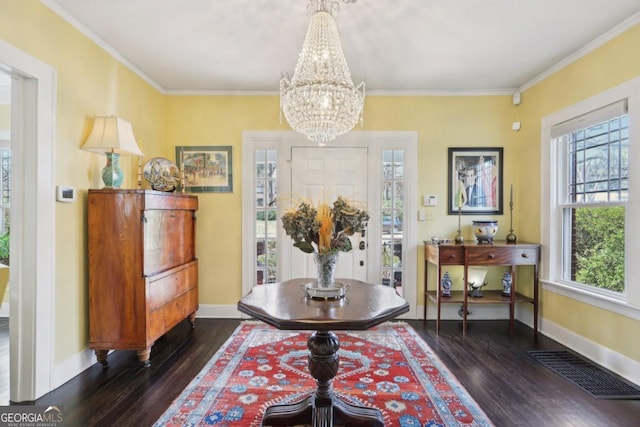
324 229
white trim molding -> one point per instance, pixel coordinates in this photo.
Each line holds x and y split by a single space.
615 362
32 296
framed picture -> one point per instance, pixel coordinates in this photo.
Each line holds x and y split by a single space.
205 169
475 181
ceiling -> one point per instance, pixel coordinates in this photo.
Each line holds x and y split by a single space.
395 46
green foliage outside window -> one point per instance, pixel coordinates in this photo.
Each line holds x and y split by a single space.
4 248
599 247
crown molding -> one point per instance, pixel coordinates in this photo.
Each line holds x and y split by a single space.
591 46
60 11
588 48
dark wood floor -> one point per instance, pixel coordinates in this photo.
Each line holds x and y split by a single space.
494 367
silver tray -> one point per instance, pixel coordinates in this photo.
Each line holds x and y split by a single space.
313 291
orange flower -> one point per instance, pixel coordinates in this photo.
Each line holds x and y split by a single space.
325 218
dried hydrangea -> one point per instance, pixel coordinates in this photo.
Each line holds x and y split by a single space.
322 229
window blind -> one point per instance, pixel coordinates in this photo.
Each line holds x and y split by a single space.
589 119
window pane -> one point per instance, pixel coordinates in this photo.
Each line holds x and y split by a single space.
392 213
266 232
260 202
597 168
596 247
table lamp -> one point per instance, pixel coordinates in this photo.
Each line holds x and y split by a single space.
112 136
476 280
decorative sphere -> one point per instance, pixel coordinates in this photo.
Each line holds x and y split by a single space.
485 231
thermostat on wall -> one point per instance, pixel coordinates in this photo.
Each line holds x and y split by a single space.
65 194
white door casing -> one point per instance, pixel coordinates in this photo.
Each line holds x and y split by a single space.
320 175
32 297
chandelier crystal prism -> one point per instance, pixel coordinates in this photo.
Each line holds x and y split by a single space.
321 101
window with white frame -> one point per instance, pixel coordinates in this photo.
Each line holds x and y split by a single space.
266 234
590 194
392 213
592 172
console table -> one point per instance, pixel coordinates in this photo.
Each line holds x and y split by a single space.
285 306
481 254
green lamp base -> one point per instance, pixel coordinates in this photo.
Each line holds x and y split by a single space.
112 174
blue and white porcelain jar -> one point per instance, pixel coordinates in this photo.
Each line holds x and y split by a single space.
506 284
446 285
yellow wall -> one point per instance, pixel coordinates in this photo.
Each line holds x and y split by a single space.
90 82
612 64
441 122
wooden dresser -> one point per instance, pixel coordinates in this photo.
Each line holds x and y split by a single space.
481 254
143 272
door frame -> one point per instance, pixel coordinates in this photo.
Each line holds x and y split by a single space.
32 297
375 142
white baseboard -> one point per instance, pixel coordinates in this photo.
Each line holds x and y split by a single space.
71 367
206 311
615 362
4 310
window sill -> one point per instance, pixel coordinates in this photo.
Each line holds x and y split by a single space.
604 302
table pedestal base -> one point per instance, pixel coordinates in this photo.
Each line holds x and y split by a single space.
322 409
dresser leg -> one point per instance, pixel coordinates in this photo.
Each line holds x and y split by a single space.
192 320
101 355
143 356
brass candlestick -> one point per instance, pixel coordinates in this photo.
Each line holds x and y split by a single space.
459 239
511 237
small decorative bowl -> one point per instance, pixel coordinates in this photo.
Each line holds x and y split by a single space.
485 231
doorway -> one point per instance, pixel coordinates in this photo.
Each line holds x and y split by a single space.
31 329
278 166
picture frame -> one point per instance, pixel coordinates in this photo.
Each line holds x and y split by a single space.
475 181
205 169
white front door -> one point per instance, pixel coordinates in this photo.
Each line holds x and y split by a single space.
320 175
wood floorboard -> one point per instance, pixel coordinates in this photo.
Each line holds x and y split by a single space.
508 384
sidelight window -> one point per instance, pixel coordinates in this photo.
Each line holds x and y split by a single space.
392 217
266 233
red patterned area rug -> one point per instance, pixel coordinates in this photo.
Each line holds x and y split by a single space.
388 367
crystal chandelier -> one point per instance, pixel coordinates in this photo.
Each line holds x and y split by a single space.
321 101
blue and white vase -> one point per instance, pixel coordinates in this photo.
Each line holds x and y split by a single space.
446 285
506 284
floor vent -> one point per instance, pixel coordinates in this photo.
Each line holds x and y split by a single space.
585 374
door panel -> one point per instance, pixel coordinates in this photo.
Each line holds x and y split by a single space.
321 175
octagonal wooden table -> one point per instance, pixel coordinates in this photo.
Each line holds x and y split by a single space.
285 306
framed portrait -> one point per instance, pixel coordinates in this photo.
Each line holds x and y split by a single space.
205 169
475 181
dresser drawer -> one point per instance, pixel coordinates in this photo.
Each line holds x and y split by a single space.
451 255
490 255
172 313
168 285
528 256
